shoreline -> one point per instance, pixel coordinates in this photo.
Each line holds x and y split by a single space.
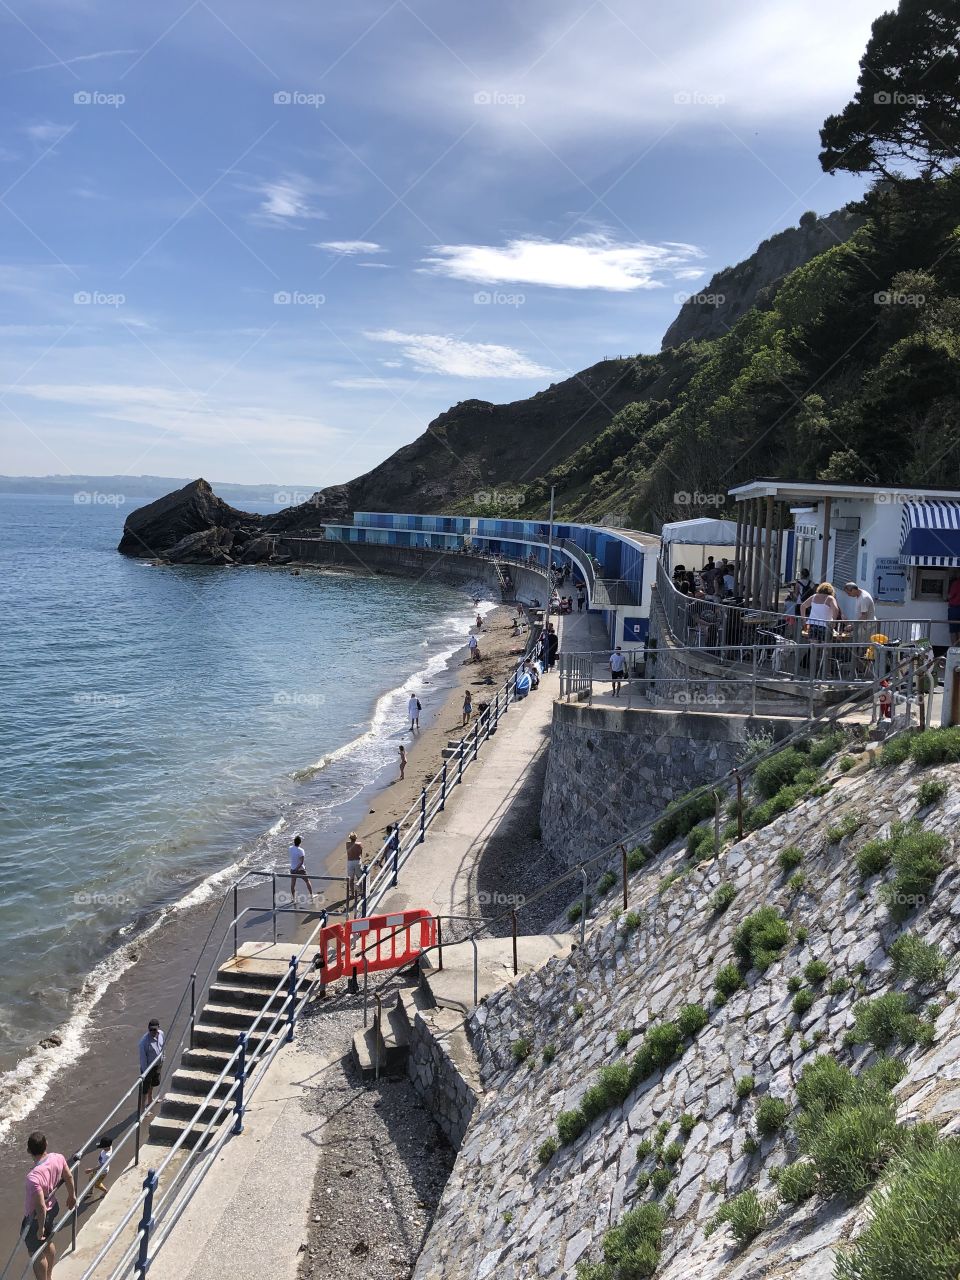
159 958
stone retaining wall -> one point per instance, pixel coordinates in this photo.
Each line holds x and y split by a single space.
611 771
444 1071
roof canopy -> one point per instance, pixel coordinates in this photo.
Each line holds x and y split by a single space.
702 531
930 534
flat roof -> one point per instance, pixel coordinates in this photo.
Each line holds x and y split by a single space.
792 490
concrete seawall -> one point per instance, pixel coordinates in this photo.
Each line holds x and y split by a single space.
610 771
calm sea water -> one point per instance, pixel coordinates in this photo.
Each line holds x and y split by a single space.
160 727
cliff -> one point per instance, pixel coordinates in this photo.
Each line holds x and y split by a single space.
716 308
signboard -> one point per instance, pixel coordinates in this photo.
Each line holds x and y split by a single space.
635 630
890 580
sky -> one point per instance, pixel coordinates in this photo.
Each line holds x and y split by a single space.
270 242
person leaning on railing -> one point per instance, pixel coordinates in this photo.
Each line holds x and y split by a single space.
822 612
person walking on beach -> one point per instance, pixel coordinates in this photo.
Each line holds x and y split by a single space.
474 649
403 762
40 1207
413 711
467 707
151 1060
354 863
298 868
618 665
100 1168
479 622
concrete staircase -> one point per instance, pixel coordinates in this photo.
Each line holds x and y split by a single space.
243 987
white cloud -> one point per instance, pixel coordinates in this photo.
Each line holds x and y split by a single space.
286 201
376 384
439 353
46 132
348 248
593 261
80 57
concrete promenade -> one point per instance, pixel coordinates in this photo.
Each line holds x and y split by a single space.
249 1215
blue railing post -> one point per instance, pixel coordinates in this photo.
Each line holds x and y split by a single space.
476 738
146 1223
496 709
396 858
443 786
423 814
292 1013
460 762
363 893
240 1075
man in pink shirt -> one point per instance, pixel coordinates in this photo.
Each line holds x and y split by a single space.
40 1208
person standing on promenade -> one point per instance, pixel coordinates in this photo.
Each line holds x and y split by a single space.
403 762
100 1168
40 1207
553 646
581 597
354 864
391 848
618 665
413 711
151 1060
298 868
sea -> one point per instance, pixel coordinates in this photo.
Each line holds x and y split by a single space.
162 728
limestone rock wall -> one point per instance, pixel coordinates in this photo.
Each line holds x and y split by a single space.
444 1071
610 772
504 1214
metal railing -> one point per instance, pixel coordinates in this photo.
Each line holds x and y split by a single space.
727 625
603 593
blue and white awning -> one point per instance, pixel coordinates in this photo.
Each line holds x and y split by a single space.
930 534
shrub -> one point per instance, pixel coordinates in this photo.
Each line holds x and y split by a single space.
802 934
746 1215
672 877
547 1150
794 982
521 1050
744 1087
778 771
936 746
922 961
660 1179
578 1009
930 792
661 1045
632 1247
823 748
873 858
846 763
570 1125
701 841
796 882
724 895
850 1147
673 1152
636 858
632 920
895 750
687 1122
838 986
912 1231
691 1020
575 910
802 1002
728 980
847 826
789 858
824 1086
770 1116
624 1036
917 858
644 1149
797 1181
785 799
549 1053
760 938
884 1021
750 1145
612 1085
680 818
607 882
816 972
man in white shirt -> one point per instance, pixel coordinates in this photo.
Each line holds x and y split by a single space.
856 605
298 868
474 649
413 711
618 665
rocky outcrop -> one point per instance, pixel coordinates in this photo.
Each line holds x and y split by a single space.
162 526
713 310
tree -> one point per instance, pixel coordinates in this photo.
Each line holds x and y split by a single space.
906 111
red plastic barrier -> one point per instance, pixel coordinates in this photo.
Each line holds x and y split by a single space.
332 953
388 941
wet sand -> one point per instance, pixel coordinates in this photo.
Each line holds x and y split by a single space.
88 1089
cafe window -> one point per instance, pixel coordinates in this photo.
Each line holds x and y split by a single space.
930 584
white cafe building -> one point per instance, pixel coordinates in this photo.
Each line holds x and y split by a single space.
901 546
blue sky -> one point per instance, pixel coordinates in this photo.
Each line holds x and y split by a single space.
269 243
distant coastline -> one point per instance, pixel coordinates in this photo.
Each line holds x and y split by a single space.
130 491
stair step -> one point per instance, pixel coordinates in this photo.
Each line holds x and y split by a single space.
165 1131
184 1106
199 1083
393 1060
207 1036
242 996
209 1060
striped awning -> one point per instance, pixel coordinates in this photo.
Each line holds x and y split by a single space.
930 534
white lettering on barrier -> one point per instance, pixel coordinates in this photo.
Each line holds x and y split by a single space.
391 920
359 926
